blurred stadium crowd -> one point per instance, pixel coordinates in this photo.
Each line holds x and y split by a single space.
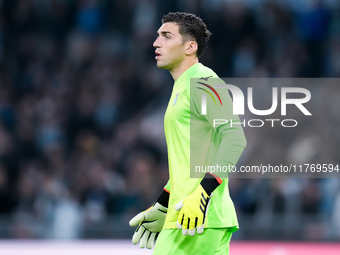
81 112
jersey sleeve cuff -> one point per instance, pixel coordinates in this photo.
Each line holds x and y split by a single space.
164 198
210 182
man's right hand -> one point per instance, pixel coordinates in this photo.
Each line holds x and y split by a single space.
150 223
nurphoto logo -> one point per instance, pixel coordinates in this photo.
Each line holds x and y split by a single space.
295 96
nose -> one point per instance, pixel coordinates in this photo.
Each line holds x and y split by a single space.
156 43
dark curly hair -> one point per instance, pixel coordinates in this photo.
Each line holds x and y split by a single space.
191 27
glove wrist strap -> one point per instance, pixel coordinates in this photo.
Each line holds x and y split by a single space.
210 182
164 198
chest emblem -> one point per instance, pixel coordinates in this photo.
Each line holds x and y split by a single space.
175 100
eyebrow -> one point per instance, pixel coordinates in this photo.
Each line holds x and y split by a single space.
164 33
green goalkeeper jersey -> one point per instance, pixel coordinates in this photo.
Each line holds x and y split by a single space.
185 129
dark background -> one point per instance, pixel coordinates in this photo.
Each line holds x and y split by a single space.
82 147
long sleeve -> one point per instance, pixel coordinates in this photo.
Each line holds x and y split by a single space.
227 134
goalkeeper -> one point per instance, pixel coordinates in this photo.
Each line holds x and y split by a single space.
192 215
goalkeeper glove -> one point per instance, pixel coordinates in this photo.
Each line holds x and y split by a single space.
193 208
150 222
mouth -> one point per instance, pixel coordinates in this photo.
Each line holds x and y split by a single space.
157 55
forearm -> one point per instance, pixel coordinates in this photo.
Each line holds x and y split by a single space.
233 142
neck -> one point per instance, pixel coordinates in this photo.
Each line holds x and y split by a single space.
180 69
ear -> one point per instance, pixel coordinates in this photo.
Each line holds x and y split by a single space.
190 47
